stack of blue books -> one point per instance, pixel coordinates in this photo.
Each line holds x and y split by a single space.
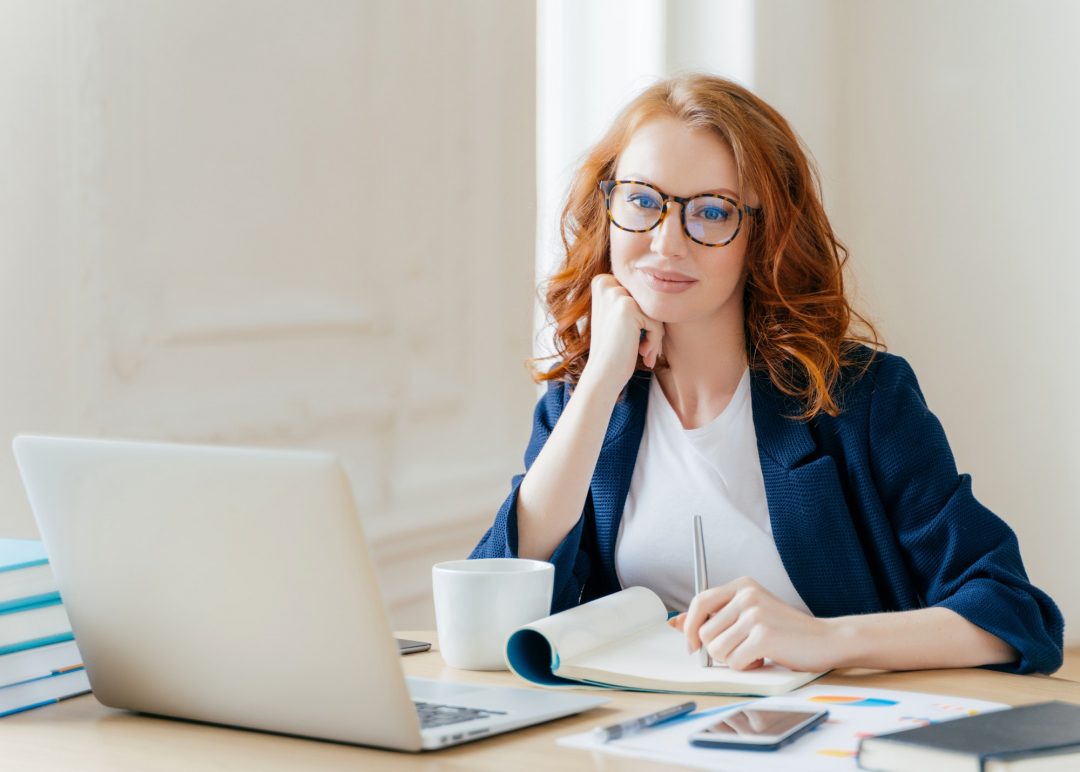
39 661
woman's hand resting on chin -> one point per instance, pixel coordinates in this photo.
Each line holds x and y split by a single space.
616 322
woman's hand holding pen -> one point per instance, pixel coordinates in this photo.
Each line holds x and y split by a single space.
742 623
616 322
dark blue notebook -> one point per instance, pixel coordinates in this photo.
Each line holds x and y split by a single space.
1046 735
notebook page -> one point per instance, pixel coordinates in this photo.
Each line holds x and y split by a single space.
659 652
599 623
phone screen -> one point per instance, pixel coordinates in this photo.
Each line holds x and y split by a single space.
751 722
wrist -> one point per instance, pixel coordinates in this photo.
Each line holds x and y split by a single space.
847 639
595 387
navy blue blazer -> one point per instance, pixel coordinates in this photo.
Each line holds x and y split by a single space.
868 511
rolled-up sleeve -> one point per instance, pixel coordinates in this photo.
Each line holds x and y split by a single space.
960 554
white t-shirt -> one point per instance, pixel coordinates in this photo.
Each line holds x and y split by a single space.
712 471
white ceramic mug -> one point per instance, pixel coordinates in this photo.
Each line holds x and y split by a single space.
478 603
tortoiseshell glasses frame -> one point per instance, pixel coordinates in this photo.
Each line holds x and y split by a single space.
608 186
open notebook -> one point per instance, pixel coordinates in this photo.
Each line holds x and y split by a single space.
624 641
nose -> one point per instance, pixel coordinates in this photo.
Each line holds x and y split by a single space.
669 239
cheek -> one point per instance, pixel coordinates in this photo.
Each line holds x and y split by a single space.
625 249
727 267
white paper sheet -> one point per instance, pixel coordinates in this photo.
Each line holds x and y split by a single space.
830 747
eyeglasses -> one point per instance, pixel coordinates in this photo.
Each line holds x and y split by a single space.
709 219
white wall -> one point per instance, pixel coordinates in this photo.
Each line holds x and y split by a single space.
190 251
946 131
277 223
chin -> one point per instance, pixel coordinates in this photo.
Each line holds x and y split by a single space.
668 309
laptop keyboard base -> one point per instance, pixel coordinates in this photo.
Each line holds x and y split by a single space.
432 714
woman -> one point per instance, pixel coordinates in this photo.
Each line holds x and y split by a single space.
708 366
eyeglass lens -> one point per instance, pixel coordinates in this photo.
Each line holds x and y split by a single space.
708 219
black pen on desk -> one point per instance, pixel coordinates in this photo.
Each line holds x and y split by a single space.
615 731
701 577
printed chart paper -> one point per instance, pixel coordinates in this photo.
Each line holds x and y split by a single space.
854 713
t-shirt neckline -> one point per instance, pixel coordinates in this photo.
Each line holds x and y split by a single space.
718 422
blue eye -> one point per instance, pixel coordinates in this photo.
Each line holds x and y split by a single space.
642 201
713 213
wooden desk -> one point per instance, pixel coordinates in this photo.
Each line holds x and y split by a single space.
82 734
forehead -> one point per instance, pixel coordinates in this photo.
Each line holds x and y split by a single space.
678 159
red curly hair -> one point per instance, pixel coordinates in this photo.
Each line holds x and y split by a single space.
798 320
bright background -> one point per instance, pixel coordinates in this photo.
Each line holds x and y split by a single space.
320 225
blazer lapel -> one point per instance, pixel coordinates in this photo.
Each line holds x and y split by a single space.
810 519
615 468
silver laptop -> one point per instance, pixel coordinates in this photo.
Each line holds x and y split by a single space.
234 586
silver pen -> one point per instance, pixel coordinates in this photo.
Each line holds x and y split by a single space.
701 576
615 731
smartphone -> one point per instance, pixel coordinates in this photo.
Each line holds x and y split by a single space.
405 646
758 729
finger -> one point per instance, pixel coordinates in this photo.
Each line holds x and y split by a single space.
677 621
651 341
744 655
704 605
660 346
645 348
603 281
720 621
647 345
606 290
721 646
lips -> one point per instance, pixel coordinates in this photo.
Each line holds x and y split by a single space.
667 281
668 275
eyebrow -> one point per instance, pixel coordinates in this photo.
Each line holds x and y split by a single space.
644 178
